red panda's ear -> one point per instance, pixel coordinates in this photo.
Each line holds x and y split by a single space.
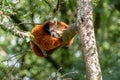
55 21
46 28
63 24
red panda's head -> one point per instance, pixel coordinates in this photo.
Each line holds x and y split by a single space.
54 28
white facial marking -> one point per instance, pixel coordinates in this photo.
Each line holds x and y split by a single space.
54 34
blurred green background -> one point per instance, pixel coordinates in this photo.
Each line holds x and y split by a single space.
17 61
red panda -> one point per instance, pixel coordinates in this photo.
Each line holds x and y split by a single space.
47 37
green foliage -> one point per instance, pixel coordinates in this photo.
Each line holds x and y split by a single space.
24 12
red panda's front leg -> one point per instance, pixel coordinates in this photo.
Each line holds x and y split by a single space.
36 49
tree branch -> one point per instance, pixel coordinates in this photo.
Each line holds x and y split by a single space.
15 31
69 33
54 63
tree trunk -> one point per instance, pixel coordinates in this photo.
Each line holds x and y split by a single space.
86 32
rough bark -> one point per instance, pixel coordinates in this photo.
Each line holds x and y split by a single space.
86 32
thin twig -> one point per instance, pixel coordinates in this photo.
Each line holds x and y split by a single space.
47 3
57 7
54 77
53 9
28 23
69 73
10 70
